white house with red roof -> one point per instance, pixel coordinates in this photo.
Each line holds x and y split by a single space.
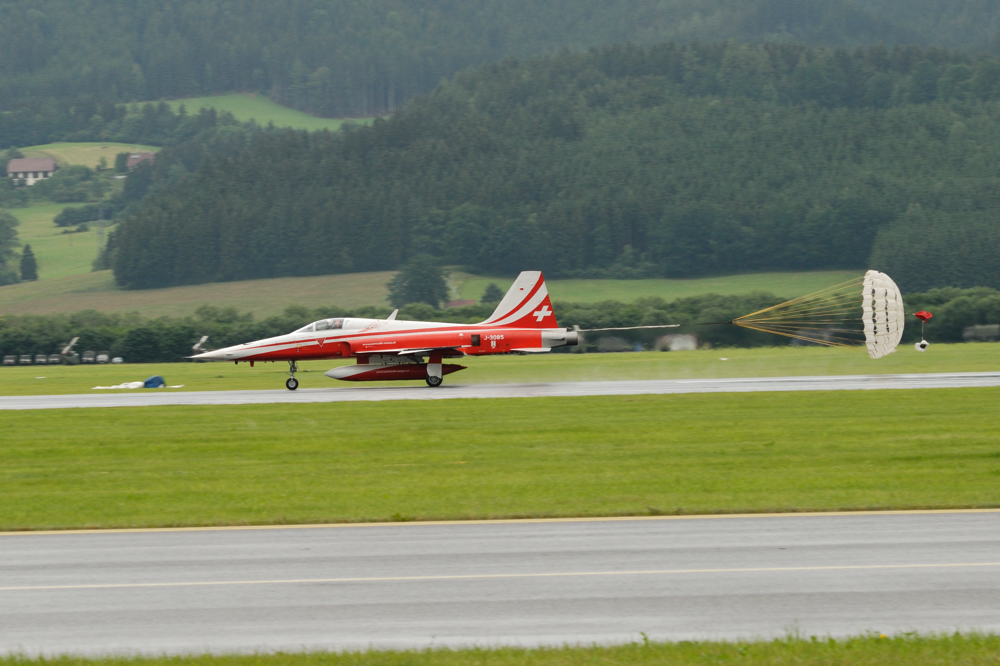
31 169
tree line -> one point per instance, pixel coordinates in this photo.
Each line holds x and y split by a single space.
169 339
86 120
619 162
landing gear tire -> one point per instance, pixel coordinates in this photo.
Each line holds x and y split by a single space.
434 381
292 383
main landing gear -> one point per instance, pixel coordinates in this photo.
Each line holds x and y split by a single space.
292 383
435 373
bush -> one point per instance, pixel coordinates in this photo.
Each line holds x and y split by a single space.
492 294
954 310
71 217
72 184
420 280
12 196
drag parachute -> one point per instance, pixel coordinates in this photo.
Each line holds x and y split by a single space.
863 312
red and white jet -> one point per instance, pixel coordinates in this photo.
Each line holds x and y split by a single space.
388 349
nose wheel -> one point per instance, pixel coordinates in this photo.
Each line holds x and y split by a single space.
433 381
292 383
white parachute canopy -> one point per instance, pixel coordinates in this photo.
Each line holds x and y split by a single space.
863 312
883 316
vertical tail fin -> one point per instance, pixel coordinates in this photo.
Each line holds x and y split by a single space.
526 304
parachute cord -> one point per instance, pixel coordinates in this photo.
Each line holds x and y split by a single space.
628 328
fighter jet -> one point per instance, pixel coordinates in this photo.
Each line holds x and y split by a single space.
389 349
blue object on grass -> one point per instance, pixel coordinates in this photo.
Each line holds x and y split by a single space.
155 381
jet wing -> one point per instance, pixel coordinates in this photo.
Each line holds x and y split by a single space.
453 351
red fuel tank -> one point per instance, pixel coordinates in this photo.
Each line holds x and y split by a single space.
387 373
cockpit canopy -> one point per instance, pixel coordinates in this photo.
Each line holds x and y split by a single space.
322 325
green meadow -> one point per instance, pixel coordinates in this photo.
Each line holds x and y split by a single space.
97 291
58 255
501 458
554 367
789 285
868 650
251 106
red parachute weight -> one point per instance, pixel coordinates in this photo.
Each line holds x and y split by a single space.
923 315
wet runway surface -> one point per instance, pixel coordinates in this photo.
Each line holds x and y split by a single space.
153 397
492 583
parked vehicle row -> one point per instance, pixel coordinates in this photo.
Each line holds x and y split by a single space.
67 359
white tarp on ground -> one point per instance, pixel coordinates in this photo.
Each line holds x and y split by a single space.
131 385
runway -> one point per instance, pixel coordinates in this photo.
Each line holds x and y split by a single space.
154 397
498 583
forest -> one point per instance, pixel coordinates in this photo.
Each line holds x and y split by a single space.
672 160
350 58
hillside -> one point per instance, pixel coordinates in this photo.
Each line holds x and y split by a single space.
671 161
264 298
58 253
359 59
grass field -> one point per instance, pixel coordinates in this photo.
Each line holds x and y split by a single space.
759 362
593 291
87 154
268 297
58 255
455 459
251 106
912 650
97 290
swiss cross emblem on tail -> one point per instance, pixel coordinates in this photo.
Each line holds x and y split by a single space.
526 304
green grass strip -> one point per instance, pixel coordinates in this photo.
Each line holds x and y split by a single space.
455 459
701 364
913 650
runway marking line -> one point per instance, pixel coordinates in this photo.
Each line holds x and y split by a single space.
572 574
499 521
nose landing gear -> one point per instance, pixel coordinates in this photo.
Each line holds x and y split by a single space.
292 383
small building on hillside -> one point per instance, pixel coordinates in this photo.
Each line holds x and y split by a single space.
135 159
460 303
31 169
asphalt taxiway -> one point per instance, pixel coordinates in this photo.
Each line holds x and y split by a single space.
154 397
498 583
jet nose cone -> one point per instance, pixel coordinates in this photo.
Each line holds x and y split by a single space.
209 356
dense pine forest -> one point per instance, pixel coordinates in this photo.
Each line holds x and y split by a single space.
670 160
64 61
